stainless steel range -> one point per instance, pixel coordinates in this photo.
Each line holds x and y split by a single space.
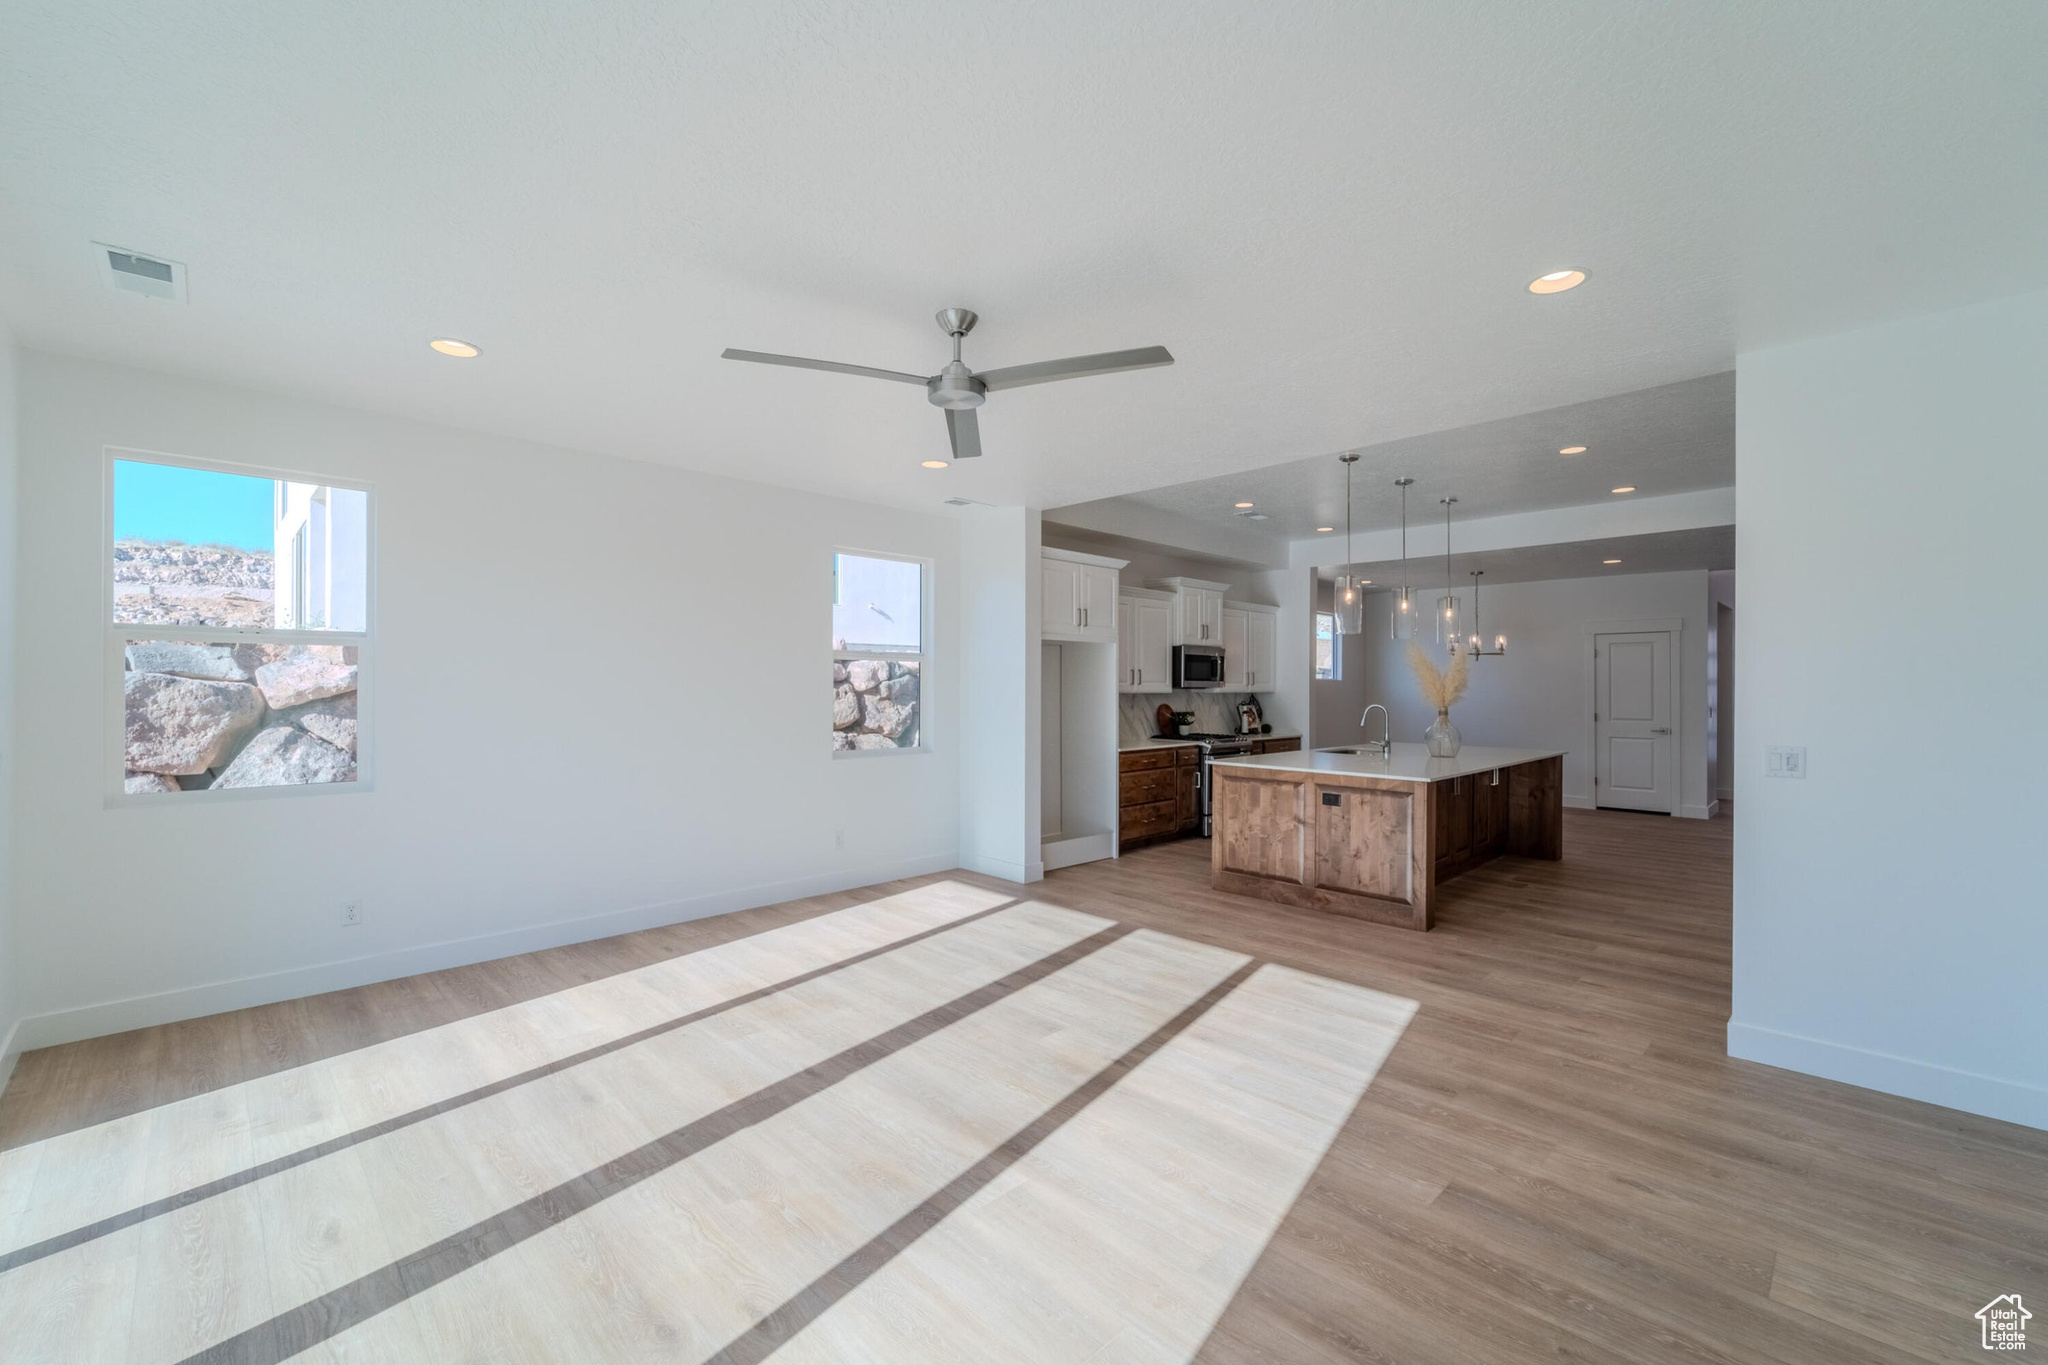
1215 746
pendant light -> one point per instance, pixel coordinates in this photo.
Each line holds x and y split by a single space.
1403 616
1350 597
1447 631
1473 646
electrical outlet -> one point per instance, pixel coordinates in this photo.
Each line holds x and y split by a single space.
351 914
839 838
1784 760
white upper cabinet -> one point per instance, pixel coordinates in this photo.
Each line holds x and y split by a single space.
1234 657
1262 650
1199 618
1077 596
1145 642
1251 647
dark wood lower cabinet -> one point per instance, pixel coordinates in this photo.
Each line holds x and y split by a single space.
1471 819
1157 794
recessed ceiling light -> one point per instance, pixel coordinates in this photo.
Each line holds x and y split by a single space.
935 464
461 350
1242 504
1610 561
1625 488
1557 281
1573 450
1326 528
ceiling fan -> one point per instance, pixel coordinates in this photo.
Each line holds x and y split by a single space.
960 390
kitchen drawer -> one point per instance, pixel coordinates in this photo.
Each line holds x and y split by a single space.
1190 757
1137 760
1143 822
1279 746
1141 788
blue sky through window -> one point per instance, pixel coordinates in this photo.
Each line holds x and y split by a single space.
197 506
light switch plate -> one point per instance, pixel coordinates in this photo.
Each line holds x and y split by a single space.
1784 760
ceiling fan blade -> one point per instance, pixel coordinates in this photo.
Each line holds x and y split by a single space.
763 358
965 430
1075 367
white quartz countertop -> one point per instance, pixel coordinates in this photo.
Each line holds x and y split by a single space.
1154 742
1409 763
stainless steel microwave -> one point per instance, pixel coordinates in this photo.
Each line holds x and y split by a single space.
1198 666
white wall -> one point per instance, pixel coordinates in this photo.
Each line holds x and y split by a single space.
1537 695
600 702
1002 662
10 972
1891 921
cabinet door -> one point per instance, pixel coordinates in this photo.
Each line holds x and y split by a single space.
1235 655
1126 646
1190 618
1153 628
1262 661
1188 798
1212 617
1097 594
1059 611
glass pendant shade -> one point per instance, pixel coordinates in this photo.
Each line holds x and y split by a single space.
1349 600
1402 616
1349 604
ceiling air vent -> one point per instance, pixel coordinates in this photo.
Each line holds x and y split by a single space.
1251 516
133 273
959 502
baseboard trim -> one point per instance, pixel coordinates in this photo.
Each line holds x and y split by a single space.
1007 869
1082 848
1705 812
1580 802
1992 1096
214 997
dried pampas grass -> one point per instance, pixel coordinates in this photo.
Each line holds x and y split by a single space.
1441 688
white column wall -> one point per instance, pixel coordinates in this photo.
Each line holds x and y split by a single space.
1891 925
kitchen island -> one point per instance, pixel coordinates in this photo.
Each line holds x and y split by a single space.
1354 833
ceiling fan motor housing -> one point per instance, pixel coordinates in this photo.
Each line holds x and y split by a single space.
956 387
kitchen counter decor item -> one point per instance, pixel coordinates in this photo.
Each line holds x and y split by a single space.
1441 688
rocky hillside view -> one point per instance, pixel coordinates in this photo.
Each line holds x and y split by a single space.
874 705
228 715
170 583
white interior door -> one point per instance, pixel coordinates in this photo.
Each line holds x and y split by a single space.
1635 756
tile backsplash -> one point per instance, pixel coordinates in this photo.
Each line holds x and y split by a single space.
1215 711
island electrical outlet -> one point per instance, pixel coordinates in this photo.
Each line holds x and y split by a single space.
351 914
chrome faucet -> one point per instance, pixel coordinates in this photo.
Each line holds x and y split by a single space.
1386 742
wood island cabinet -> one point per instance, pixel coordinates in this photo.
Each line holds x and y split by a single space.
1335 834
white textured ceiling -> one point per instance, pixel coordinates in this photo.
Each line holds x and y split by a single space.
1675 438
1709 547
1327 210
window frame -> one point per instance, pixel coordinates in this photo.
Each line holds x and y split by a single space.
922 657
1336 647
116 634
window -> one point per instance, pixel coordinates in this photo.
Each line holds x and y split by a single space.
880 607
238 628
1329 659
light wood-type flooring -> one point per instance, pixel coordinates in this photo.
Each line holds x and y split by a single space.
1116 1118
